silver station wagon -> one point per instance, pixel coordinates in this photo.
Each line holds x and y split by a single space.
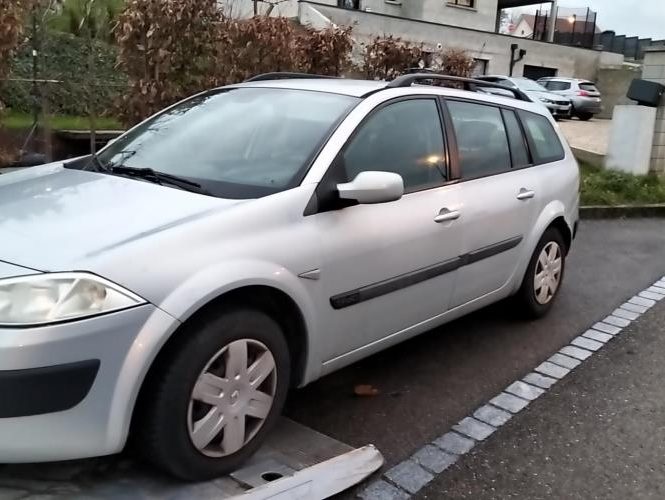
172 288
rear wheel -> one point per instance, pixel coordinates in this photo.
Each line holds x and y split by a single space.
216 395
544 275
585 117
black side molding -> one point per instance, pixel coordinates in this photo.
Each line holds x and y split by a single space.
375 290
50 389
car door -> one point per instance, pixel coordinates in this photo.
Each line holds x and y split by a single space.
390 266
499 196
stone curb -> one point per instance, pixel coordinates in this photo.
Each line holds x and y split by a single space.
622 211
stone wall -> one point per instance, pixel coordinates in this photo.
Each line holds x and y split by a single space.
654 70
613 83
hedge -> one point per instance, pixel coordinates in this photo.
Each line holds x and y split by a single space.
64 57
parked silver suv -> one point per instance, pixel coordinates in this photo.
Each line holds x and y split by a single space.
584 95
257 237
560 107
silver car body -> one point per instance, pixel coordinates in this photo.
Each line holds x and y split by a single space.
557 105
179 250
583 93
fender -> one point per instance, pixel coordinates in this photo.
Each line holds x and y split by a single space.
181 304
549 214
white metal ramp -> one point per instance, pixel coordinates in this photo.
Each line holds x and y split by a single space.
296 463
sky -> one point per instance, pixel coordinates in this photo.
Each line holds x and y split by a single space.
644 18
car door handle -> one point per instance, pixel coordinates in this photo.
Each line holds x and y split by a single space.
446 215
525 194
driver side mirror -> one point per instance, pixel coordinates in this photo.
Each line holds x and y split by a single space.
373 187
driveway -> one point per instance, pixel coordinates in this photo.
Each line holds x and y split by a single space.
592 136
598 434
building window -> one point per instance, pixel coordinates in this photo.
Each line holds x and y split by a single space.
479 67
349 4
463 3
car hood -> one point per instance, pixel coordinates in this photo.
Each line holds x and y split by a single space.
546 95
52 217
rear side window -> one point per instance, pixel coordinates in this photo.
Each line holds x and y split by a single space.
545 144
481 139
518 147
553 85
589 87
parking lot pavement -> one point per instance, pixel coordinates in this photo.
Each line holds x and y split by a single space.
428 384
598 434
593 135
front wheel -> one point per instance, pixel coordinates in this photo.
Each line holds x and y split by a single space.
544 275
215 396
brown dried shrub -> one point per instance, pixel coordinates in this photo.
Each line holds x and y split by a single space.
387 57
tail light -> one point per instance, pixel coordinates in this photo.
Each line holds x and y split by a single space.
583 93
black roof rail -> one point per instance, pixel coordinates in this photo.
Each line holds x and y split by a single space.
469 84
284 75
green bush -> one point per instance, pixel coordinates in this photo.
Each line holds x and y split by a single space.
64 57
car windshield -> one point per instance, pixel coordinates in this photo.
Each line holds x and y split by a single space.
529 85
236 143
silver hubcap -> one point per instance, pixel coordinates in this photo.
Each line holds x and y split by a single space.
232 398
548 273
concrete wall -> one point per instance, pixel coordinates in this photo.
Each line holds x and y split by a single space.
613 83
394 8
654 70
495 48
245 8
483 17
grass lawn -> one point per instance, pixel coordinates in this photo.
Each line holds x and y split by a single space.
606 187
14 120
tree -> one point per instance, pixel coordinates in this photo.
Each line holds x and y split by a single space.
168 50
13 14
81 18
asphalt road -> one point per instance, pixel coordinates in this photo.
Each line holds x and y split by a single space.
429 383
598 434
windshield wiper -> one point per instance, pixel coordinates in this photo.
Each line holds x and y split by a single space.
98 164
161 178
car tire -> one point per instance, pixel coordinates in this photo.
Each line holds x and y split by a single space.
185 401
585 117
535 302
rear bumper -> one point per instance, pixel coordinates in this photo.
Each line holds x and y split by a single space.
587 106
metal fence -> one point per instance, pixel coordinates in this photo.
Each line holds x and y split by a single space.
632 47
574 27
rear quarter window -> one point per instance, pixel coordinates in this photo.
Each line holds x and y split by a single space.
589 87
553 85
544 141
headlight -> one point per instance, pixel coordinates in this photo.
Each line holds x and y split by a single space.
47 298
546 101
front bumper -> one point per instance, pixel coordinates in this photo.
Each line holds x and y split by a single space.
559 109
68 390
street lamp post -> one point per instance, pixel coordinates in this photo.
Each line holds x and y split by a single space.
573 20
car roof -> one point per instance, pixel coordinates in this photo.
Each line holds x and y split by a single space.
565 79
363 88
345 86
